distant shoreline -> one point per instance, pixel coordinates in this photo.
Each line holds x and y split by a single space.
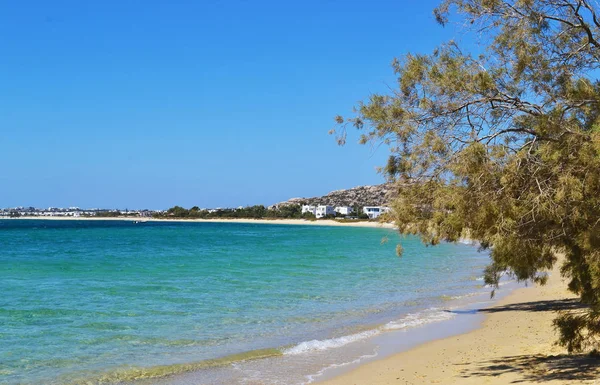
323 222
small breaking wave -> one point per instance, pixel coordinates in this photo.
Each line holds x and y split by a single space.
313 377
419 319
319 345
409 321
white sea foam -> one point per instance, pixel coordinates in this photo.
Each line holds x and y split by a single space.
312 377
419 319
408 321
319 345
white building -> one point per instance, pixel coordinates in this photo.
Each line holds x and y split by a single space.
375 211
309 209
323 210
344 210
318 211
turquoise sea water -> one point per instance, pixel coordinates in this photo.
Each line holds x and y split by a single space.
111 301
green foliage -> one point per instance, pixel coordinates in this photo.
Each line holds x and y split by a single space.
309 216
290 211
253 212
362 215
505 144
108 214
178 212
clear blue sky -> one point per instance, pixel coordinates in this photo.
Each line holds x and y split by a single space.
148 104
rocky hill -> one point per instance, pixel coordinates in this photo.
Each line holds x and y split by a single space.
378 195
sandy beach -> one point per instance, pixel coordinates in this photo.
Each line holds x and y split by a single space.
515 344
320 222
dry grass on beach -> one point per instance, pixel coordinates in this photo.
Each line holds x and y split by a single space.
515 345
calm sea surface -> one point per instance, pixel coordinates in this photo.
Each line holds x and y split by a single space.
113 301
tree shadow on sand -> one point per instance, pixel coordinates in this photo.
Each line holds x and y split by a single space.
539 368
551 305
535 306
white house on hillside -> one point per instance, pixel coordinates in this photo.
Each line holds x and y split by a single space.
309 209
318 211
344 210
323 210
375 211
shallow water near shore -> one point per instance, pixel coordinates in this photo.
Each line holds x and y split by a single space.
120 302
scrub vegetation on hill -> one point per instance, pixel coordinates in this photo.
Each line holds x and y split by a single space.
503 141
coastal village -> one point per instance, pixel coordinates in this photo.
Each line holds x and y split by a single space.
319 211
70 212
362 202
368 202
322 211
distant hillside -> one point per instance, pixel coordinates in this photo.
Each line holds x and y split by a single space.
378 195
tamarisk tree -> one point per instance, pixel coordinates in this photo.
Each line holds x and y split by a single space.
504 143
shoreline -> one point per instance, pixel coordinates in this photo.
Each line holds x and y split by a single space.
320 222
367 344
515 343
